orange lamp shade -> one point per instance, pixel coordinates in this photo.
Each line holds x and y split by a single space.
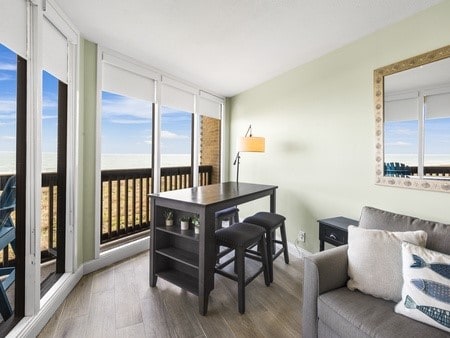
252 144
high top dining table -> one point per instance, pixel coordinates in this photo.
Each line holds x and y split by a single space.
183 257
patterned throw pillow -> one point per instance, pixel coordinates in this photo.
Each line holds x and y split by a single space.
375 260
426 286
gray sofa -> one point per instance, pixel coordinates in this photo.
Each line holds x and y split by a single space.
330 309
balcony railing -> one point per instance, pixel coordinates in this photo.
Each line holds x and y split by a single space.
125 206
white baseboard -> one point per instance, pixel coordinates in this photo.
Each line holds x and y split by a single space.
117 254
31 326
297 251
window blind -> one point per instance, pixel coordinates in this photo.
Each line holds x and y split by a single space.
55 51
13 25
209 105
177 98
437 106
118 80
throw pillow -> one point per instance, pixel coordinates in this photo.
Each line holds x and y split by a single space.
375 260
426 287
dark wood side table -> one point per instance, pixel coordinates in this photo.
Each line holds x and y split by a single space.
334 230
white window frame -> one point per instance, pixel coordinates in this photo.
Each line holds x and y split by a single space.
33 300
161 78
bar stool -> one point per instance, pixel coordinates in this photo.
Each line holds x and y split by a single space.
271 222
240 237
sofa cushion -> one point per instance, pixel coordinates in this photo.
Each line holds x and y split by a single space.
375 260
426 290
438 233
354 314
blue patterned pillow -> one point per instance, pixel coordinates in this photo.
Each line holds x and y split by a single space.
426 286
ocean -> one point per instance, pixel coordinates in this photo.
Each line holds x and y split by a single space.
109 161
432 160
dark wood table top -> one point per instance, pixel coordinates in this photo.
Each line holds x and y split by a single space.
214 193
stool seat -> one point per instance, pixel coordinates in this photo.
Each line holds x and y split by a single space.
239 235
266 220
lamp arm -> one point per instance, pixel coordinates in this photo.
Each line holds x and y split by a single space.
236 159
249 130
236 162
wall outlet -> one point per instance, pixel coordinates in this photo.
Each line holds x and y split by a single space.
301 237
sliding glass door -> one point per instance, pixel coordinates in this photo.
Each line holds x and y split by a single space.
13 73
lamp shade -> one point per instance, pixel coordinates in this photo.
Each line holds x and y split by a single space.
252 144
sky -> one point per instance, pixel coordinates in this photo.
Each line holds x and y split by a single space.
126 122
401 137
127 127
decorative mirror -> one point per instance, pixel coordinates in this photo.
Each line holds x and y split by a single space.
412 121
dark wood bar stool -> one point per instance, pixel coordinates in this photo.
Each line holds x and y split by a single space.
271 222
240 237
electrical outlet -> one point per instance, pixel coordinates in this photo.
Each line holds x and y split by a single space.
301 237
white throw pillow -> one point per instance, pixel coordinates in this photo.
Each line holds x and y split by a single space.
375 260
426 287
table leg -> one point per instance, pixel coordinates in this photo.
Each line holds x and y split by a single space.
322 245
203 303
273 201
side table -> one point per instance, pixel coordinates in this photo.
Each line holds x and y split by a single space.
334 230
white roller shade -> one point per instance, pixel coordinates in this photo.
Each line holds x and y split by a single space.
55 51
124 82
209 105
437 106
401 107
13 25
177 98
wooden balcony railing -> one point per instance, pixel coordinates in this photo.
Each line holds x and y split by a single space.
124 203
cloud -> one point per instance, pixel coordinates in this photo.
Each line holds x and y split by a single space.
7 106
8 138
168 135
124 106
130 121
404 131
49 103
46 117
5 77
8 66
400 144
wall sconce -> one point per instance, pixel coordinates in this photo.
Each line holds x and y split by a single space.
248 143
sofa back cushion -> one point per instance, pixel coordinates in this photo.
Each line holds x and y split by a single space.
438 233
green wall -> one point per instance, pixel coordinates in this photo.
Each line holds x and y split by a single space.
318 120
86 186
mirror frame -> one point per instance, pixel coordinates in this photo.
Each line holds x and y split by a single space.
378 76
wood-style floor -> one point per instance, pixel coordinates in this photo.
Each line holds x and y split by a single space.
118 302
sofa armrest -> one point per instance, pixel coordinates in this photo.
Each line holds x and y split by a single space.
323 271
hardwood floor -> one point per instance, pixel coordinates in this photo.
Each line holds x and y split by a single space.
118 302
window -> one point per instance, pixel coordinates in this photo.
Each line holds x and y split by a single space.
13 102
417 132
127 104
151 140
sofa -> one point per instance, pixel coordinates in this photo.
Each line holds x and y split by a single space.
330 309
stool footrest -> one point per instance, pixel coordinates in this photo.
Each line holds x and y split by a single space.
224 264
234 277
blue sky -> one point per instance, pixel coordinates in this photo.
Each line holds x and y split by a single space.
401 137
126 122
127 126
7 99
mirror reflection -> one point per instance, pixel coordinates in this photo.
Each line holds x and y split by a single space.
412 122
417 122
